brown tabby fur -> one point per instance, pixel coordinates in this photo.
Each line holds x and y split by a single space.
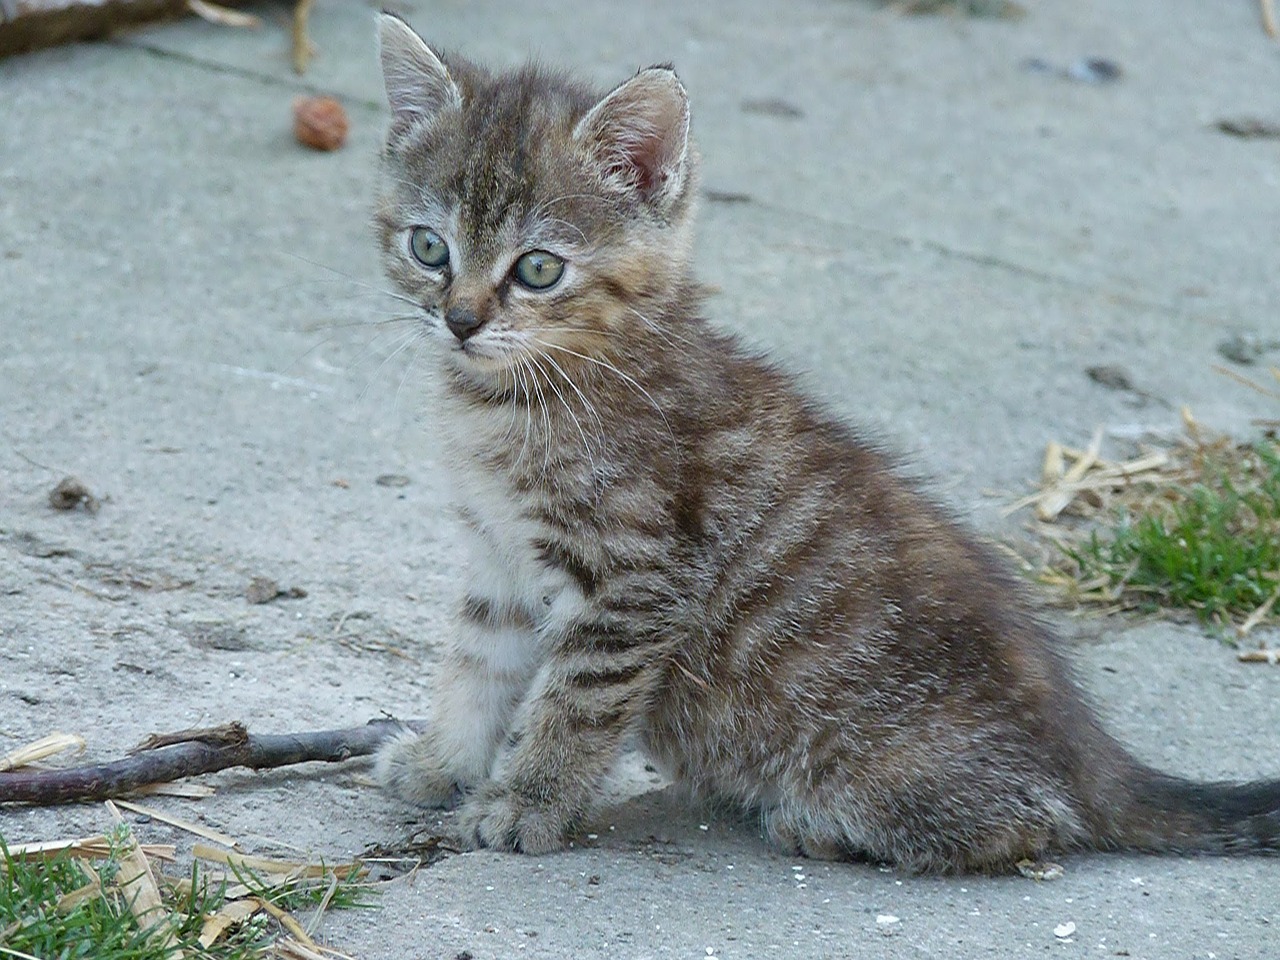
670 540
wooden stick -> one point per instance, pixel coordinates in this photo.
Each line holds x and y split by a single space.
189 758
33 24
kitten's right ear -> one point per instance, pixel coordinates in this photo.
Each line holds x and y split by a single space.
418 83
639 134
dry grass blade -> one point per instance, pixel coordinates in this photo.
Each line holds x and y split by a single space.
91 890
1251 384
187 791
276 867
229 916
95 847
1269 23
303 48
222 16
1261 613
84 848
142 893
188 826
1271 657
287 921
40 749
323 905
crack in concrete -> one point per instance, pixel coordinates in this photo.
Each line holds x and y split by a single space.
1009 266
243 73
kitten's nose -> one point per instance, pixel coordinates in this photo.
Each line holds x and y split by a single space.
462 322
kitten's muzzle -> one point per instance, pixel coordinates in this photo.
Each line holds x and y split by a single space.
462 323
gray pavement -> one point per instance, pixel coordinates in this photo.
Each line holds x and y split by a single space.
939 240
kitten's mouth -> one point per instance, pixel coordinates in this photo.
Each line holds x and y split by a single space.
477 357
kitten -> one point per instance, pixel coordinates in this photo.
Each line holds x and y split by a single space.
669 540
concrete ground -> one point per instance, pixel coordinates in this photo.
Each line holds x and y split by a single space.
940 238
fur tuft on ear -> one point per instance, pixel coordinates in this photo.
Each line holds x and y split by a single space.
639 135
418 82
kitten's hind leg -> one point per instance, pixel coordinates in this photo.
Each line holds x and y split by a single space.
791 835
483 676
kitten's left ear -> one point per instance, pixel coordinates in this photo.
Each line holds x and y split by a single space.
418 82
639 134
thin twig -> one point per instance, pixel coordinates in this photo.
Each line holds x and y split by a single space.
187 759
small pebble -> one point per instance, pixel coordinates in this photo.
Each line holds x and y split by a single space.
1245 348
1094 70
320 123
71 493
1110 375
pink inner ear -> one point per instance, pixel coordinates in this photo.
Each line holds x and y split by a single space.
640 157
639 167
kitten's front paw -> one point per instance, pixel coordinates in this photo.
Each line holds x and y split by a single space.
501 819
408 768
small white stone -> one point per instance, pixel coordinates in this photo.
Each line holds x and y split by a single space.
1064 930
887 918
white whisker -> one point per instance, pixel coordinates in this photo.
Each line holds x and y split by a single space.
404 343
586 446
629 380
395 295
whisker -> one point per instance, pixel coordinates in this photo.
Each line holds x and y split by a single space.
572 226
415 338
631 381
566 196
586 404
546 421
655 328
528 417
405 341
395 295
569 410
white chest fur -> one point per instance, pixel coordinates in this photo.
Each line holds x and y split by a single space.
501 527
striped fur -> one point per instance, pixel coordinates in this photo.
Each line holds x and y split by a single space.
669 540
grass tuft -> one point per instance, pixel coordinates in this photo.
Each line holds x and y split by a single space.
62 907
1211 546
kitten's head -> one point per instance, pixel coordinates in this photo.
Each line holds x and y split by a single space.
526 214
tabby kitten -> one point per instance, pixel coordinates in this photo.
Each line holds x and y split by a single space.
668 539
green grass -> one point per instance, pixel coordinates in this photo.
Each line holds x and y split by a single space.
102 928
31 925
1210 546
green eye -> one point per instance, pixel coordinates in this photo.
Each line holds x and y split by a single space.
539 270
428 248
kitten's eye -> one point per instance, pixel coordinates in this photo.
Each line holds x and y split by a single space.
539 270
428 248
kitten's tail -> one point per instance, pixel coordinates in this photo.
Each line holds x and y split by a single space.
1171 815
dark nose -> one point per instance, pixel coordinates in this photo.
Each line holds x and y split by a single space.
462 322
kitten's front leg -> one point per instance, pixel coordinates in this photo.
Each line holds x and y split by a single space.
565 737
484 675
